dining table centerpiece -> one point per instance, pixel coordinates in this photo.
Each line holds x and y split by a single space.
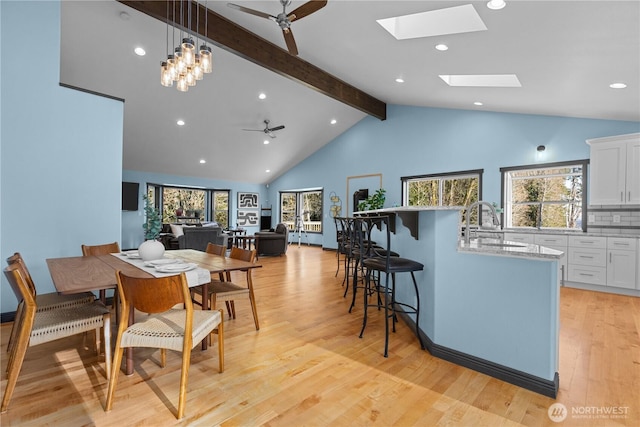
151 248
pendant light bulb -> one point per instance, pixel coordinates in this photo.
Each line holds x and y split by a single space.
165 75
181 66
188 51
171 67
206 59
190 76
182 85
197 68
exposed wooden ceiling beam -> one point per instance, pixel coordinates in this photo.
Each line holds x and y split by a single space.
236 39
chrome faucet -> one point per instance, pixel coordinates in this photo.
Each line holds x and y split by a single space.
467 232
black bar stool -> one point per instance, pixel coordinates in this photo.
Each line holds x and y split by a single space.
381 259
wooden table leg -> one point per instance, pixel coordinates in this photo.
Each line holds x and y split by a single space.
205 306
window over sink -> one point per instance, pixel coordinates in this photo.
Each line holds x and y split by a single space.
548 196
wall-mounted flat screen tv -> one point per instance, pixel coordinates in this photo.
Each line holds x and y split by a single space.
130 196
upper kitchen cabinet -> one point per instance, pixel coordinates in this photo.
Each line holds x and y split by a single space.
614 177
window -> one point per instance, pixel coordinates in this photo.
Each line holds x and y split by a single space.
305 206
184 204
451 189
220 207
545 196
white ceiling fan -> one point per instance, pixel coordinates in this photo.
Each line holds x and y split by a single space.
285 19
267 130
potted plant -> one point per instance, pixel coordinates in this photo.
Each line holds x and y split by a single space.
374 201
151 248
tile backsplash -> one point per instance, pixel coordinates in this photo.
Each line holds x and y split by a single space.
603 219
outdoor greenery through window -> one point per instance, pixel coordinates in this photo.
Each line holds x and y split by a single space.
303 206
183 204
545 196
450 189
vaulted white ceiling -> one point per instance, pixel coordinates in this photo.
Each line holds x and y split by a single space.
564 53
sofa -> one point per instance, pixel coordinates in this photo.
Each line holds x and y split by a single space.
198 237
273 242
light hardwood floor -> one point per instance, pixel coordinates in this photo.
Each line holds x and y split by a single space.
307 366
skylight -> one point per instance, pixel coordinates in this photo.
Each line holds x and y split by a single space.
482 80
452 20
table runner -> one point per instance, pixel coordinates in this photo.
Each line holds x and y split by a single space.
196 277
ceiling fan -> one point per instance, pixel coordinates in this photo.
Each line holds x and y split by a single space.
267 130
284 20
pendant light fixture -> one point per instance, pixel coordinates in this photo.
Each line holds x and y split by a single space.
186 65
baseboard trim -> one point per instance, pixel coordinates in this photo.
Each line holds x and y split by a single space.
521 379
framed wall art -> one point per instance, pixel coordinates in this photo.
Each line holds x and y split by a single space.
248 201
248 210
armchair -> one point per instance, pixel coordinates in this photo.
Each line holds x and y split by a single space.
273 242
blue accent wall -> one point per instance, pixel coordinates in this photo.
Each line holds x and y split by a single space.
60 151
419 140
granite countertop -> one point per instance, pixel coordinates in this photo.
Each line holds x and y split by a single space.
497 247
562 232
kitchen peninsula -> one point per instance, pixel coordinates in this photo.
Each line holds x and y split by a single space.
492 308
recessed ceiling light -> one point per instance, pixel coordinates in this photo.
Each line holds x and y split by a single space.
496 4
482 80
265 142
399 80
442 47
124 16
180 122
262 96
617 85
334 121
478 103
203 161
139 51
267 171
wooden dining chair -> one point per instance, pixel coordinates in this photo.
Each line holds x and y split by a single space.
44 302
165 327
228 291
38 327
104 249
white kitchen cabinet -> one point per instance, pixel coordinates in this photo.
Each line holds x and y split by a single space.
558 242
622 262
519 237
614 177
587 260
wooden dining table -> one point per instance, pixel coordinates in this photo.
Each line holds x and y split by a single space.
73 275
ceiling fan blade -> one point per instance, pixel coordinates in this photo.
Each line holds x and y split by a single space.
276 128
306 9
291 42
251 11
254 130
